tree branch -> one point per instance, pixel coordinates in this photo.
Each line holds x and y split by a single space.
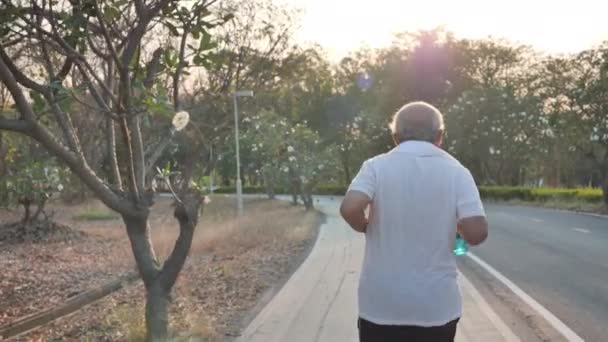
180 67
77 164
152 68
111 132
65 69
187 213
141 244
157 153
20 77
128 142
102 101
138 151
106 35
14 125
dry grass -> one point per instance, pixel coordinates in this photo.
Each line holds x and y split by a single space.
232 263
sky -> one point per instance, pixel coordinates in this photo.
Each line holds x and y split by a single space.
552 26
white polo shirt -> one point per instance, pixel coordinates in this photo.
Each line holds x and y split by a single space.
419 192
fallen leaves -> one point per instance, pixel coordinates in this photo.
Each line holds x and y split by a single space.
232 263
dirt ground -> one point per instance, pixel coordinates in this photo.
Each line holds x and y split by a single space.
233 262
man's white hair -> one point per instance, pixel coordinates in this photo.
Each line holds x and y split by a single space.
417 121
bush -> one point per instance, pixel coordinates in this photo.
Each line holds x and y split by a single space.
502 193
95 215
335 190
531 194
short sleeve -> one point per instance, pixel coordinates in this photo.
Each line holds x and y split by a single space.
468 202
365 181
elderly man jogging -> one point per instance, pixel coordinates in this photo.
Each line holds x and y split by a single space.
419 197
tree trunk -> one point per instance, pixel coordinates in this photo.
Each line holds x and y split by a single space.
345 161
157 313
159 280
295 186
605 188
27 213
268 179
157 317
307 199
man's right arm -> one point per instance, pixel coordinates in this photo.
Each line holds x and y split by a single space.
474 230
472 222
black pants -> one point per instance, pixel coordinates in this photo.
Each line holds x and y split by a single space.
371 332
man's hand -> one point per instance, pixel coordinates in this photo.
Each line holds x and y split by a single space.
353 210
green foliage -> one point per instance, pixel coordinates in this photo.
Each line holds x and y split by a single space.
34 182
532 194
334 190
95 215
503 193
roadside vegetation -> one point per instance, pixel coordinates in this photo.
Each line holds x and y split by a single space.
233 262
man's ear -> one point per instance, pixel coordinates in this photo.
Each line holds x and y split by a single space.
439 138
396 139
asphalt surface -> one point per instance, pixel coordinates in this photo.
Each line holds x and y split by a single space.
558 258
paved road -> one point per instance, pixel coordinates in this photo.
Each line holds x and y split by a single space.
558 258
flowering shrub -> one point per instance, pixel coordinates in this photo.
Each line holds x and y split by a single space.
33 184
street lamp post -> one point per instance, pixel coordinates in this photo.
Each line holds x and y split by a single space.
239 183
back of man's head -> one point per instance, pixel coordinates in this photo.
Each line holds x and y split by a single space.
417 121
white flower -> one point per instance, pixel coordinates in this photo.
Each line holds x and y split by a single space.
290 149
257 127
321 166
572 148
355 125
292 159
180 120
60 187
285 169
595 137
491 149
207 200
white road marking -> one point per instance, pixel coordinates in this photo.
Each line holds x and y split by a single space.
537 220
581 230
562 328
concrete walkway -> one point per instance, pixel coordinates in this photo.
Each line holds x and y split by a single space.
319 302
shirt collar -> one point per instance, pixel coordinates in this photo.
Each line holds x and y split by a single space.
419 148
